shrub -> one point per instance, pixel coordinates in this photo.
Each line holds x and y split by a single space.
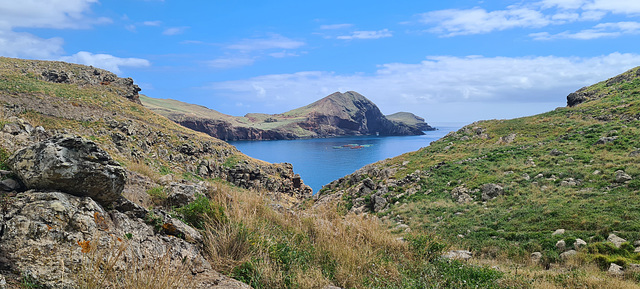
201 211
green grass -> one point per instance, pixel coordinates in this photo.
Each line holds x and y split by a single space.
522 220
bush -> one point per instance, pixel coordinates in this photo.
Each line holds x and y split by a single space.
201 211
425 246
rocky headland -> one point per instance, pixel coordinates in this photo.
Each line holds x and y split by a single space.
338 114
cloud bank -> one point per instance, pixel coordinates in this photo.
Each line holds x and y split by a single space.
438 81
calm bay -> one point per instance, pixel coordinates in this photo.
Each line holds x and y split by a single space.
321 161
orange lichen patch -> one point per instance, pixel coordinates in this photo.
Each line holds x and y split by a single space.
105 83
100 221
86 248
169 228
49 228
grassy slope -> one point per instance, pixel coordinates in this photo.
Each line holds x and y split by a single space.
536 202
405 117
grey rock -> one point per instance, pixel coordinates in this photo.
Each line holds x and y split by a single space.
9 185
555 152
622 177
579 243
461 195
568 254
379 203
536 257
558 232
634 153
458 255
3 282
43 229
182 194
70 164
130 208
561 245
617 241
606 139
491 191
615 270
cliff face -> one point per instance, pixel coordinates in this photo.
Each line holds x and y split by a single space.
338 114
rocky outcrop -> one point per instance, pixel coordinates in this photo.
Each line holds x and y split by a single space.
70 164
61 72
590 93
51 236
225 130
410 119
338 114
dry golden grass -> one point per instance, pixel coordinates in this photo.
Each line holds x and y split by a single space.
354 242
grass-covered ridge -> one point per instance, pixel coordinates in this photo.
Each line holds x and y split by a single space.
564 169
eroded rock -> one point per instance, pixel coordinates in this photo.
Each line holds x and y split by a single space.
70 164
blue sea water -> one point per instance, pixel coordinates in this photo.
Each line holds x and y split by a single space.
321 161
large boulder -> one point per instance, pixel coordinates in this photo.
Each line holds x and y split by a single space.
491 191
70 164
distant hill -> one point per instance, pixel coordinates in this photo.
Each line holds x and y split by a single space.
338 114
410 119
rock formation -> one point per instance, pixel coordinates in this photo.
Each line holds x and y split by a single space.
338 114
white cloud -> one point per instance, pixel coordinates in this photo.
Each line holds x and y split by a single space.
335 26
105 61
152 23
453 22
614 6
20 44
231 62
56 14
174 30
601 30
282 54
367 35
274 41
425 88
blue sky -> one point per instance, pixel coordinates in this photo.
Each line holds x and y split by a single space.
447 61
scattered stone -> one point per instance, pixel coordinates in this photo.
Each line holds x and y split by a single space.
606 139
615 270
538 176
526 177
70 164
536 257
570 160
458 255
508 138
558 232
491 191
3 282
569 182
636 243
555 152
634 153
568 254
622 177
461 195
597 172
617 241
561 245
579 243
331 287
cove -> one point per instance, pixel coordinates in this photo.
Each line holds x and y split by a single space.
322 160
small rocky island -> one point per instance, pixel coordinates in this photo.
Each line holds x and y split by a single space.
339 114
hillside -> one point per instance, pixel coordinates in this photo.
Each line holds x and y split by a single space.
410 119
338 114
500 188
